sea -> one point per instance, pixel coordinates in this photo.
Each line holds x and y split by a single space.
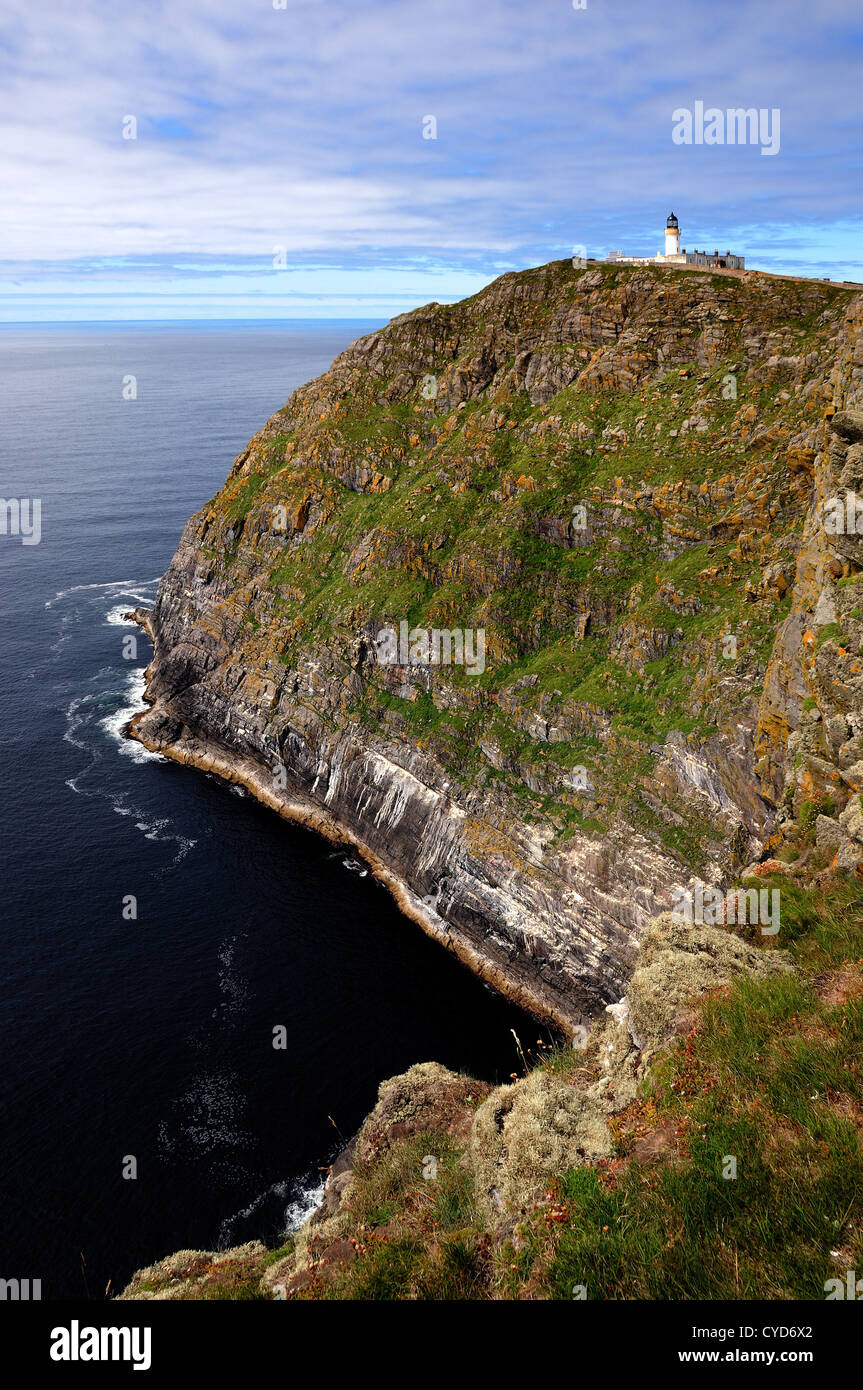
158 926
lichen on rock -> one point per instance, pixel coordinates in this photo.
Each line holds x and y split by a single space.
525 1133
680 962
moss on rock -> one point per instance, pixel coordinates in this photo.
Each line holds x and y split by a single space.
679 963
526 1132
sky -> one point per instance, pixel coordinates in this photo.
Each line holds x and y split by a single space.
357 158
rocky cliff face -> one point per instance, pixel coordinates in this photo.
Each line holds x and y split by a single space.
625 478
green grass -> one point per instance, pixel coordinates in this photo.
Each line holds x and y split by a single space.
420 1238
832 632
769 1077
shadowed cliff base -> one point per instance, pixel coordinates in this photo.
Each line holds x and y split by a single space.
222 762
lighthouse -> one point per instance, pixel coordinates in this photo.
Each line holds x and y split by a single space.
672 237
673 256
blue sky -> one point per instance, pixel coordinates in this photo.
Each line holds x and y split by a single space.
297 135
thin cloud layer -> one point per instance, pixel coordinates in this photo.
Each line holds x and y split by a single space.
298 133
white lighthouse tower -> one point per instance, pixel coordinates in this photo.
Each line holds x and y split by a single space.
673 256
672 237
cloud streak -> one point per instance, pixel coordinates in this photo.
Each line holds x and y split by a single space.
303 128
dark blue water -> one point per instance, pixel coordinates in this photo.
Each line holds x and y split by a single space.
151 1038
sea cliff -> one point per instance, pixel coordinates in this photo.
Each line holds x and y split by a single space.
619 476
639 485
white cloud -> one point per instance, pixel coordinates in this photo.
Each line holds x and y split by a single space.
303 128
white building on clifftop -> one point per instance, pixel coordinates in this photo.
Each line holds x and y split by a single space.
673 255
